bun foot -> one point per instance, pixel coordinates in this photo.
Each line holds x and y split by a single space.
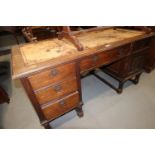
47 126
119 91
79 112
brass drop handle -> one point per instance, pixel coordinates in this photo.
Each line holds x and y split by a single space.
62 102
54 72
95 58
57 88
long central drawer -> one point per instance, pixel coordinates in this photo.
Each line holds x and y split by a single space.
104 58
98 60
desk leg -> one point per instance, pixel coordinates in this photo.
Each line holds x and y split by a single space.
79 111
120 87
136 80
47 126
148 69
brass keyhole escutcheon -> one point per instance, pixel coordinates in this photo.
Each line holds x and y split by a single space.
95 58
62 102
54 72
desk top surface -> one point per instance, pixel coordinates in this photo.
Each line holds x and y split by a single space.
31 57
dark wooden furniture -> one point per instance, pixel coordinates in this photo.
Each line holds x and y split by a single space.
10 29
14 30
51 70
37 33
3 72
151 57
130 67
3 96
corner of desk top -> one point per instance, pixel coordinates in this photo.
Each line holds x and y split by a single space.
16 62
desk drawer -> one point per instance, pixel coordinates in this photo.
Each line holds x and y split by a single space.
86 64
56 91
125 50
52 75
140 44
99 59
60 107
106 57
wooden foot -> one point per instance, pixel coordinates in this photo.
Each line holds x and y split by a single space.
148 70
8 100
136 80
120 88
47 126
79 111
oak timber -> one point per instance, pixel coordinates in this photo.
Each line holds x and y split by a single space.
31 57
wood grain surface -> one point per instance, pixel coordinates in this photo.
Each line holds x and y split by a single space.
32 57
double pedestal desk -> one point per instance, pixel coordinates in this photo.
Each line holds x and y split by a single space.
51 70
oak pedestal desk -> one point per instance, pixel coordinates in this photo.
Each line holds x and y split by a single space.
51 70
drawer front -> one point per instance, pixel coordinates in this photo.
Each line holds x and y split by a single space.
99 59
105 57
125 50
52 75
86 64
138 61
140 44
121 68
60 107
56 91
